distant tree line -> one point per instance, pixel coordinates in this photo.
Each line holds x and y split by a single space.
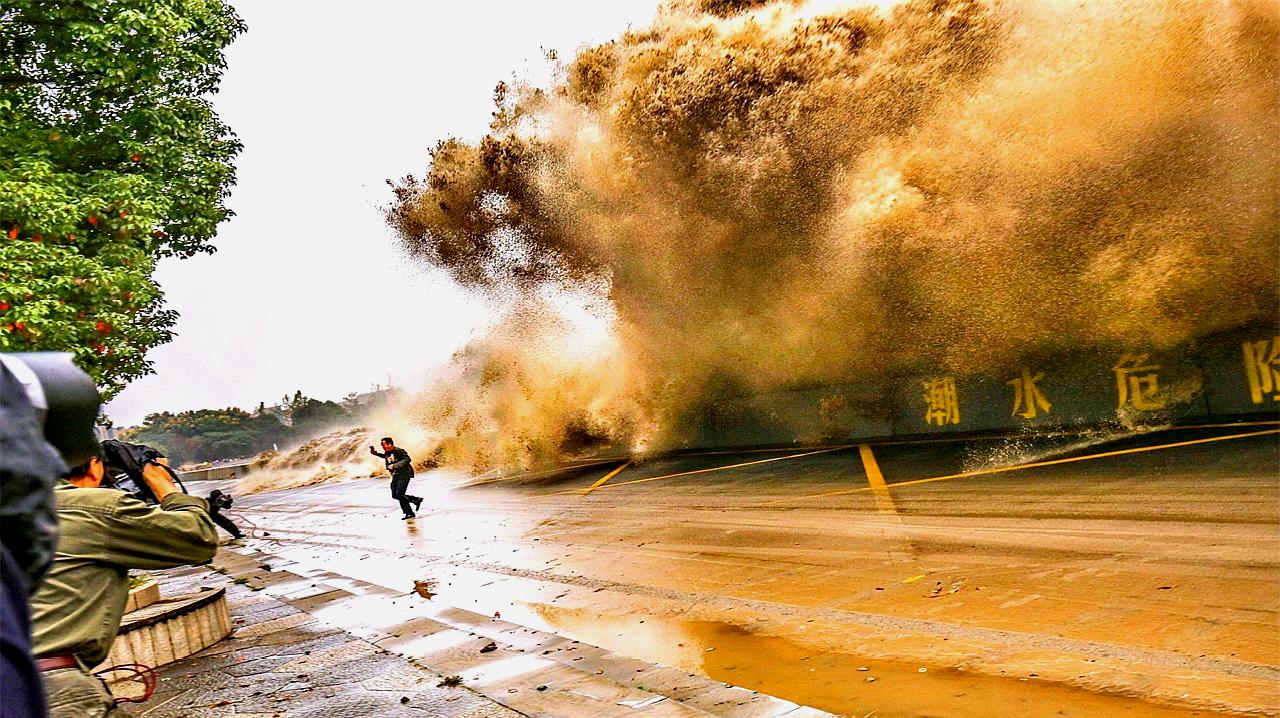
213 434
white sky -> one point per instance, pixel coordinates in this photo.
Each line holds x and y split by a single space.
307 290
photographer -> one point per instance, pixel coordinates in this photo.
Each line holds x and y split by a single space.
77 609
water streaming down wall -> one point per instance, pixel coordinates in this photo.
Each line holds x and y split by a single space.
749 197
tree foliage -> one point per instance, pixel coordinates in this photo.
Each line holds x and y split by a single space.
206 434
211 434
111 157
314 415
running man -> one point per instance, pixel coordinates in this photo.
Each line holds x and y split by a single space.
400 466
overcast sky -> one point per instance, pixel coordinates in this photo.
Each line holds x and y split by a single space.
307 290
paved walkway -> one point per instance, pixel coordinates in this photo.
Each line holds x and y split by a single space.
281 662
1145 581
316 644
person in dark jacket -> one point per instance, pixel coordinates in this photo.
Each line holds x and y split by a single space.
400 466
217 502
29 469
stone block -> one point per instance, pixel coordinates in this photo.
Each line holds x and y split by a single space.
142 596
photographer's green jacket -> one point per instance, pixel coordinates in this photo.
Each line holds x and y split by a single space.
103 533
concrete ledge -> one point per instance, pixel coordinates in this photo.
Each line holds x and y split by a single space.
166 631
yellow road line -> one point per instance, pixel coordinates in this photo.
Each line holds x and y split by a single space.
1037 464
714 468
737 452
541 472
875 481
587 463
874 478
607 476
1226 426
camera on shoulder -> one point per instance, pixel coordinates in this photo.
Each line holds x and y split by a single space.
124 463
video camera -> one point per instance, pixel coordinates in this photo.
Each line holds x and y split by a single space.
124 463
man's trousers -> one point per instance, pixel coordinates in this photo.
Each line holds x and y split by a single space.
398 488
72 693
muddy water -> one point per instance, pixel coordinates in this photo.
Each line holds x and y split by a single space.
756 195
839 682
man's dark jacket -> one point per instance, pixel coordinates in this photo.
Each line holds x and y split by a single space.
398 463
29 466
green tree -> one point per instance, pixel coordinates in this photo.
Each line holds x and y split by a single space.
314 415
111 157
206 434
289 405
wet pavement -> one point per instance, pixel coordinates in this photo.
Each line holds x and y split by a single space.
1133 576
282 662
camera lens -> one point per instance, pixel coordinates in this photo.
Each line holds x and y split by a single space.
65 397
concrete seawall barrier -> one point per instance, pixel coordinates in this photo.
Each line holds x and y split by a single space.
1229 377
215 473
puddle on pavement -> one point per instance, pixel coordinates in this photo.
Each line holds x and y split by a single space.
833 681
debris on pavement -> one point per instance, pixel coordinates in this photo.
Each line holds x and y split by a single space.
424 589
263 663
938 590
489 647
642 703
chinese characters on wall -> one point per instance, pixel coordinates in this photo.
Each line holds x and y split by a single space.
1262 369
1137 386
1028 400
1137 383
942 404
